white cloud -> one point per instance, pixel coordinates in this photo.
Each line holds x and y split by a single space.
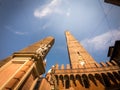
48 9
14 31
55 6
102 41
20 33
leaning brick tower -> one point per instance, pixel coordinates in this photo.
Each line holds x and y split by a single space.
83 72
22 70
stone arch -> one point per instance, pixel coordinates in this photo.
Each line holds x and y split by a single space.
92 78
99 78
85 81
117 76
110 75
106 80
72 78
66 77
56 77
78 77
61 79
67 83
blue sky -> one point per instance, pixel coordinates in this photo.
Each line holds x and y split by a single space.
92 22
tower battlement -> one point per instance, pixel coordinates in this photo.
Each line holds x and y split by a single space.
107 64
84 72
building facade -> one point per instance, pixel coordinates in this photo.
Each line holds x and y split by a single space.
23 69
83 72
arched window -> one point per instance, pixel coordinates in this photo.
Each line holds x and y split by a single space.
112 78
117 76
85 81
56 77
61 79
78 77
67 83
106 80
99 78
72 78
91 77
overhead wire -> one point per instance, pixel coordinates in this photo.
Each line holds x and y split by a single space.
103 18
105 15
106 18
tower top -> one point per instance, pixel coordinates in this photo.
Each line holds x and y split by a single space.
78 56
40 48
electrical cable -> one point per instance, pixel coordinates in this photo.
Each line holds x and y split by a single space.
103 18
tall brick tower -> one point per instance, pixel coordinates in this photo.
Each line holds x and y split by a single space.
84 72
24 68
78 56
